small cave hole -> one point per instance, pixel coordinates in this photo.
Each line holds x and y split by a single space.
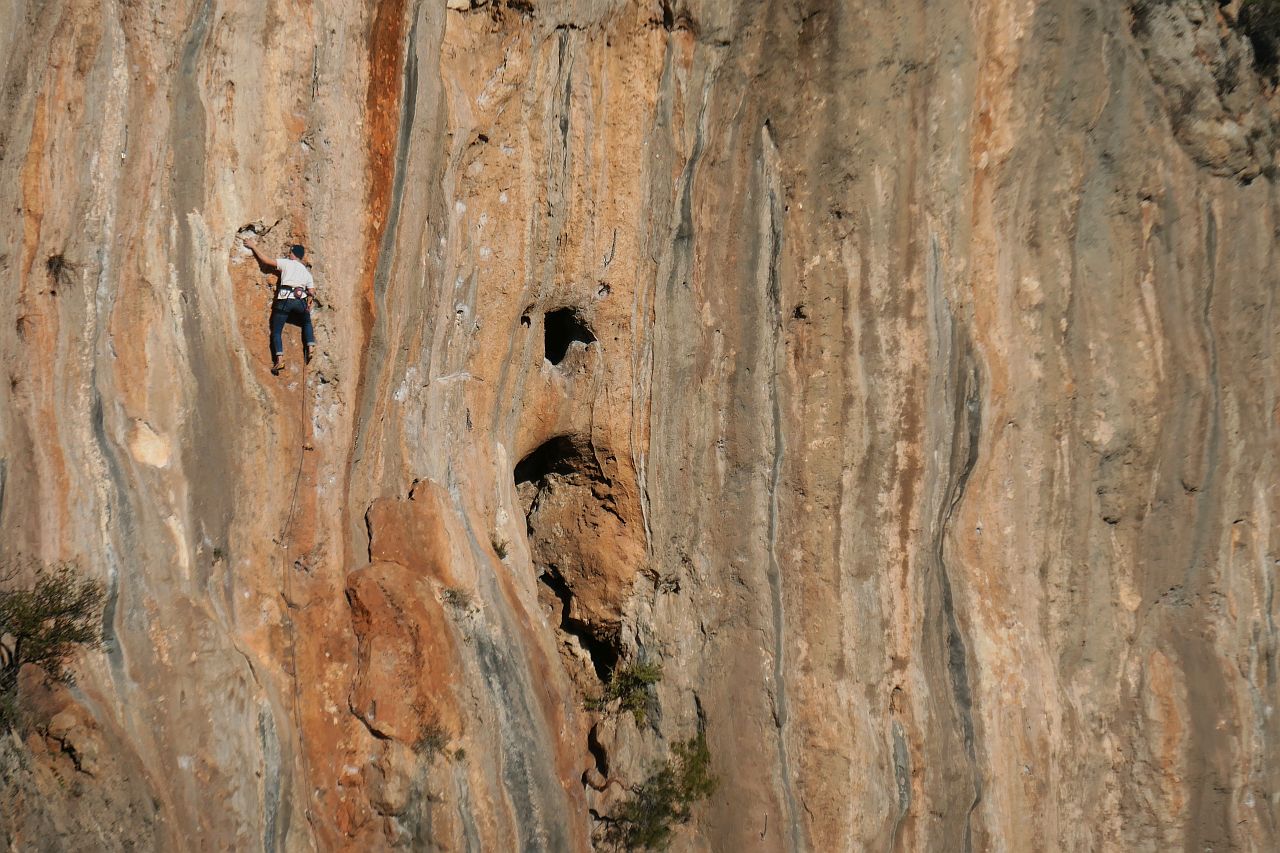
562 328
668 17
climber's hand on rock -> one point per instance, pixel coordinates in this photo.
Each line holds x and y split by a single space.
262 259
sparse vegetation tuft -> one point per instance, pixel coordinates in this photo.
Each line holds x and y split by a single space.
500 546
457 598
432 739
629 687
58 267
44 624
646 819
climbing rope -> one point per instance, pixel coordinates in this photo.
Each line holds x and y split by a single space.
287 594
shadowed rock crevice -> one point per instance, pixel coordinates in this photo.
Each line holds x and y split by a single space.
583 552
603 652
596 776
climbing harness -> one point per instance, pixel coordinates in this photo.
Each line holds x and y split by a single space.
283 292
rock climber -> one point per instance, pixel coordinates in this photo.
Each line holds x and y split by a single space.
292 302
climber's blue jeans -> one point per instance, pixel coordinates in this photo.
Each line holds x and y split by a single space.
290 311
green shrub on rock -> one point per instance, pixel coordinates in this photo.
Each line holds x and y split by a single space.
646 819
629 687
43 624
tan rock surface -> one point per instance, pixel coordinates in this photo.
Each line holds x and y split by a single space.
900 377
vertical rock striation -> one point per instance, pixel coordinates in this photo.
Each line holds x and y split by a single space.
899 377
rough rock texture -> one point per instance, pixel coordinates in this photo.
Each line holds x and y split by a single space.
1220 108
899 376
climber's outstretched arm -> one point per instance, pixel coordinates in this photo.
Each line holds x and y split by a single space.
262 259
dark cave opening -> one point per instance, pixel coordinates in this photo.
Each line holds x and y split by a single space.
556 456
562 328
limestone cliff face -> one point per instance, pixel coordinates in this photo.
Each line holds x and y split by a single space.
899 376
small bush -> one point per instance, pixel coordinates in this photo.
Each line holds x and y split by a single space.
500 546
44 624
58 267
457 598
646 818
432 739
629 687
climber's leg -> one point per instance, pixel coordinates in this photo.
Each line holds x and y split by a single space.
279 317
308 333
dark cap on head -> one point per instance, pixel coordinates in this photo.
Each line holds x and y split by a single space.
298 252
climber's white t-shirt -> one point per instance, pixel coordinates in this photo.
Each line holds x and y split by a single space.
295 279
